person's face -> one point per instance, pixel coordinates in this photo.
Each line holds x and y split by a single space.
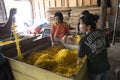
83 28
57 19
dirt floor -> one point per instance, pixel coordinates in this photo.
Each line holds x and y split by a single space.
114 58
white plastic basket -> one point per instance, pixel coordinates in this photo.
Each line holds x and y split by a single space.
70 46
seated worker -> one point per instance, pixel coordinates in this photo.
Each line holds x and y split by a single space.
59 30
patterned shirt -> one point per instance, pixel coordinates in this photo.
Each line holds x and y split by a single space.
94 45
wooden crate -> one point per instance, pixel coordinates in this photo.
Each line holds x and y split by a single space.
23 71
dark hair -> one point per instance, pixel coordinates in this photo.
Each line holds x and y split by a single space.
108 3
85 12
60 15
89 19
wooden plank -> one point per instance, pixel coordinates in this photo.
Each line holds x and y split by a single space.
47 5
72 3
66 3
21 76
52 3
103 14
82 72
115 22
33 72
32 7
62 3
58 3
80 2
93 2
114 7
35 8
53 10
27 44
23 71
42 9
86 2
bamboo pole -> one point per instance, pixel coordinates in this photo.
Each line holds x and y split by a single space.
103 14
115 23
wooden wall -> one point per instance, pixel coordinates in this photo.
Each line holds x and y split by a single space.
71 6
45 5
67 3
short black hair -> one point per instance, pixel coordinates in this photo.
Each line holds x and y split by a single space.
59 14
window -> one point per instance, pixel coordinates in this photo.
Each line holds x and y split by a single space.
24 13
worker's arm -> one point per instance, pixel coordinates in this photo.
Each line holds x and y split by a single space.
81 51
67 32
52 36
52 40
79 61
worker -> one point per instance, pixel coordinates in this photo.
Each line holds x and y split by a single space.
59 30
94 45
5 69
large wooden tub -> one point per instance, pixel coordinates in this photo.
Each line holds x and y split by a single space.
23 71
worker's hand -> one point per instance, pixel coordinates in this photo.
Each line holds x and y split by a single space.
64 39
52 44
79 61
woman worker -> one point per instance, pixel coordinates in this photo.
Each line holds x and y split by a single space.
59 30
94 45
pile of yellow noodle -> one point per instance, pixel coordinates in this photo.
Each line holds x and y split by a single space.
56 59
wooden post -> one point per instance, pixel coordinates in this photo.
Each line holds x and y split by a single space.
3 13
103 14
33 9
59 3
115 23
80 2
66 3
